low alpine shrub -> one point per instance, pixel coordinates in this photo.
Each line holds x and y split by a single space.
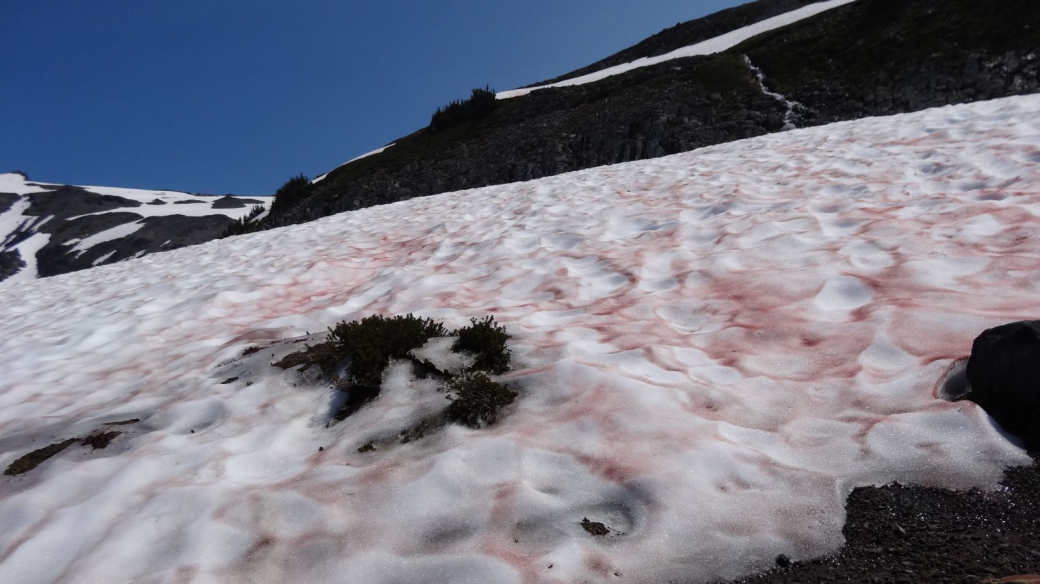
371 342
487 341
477 400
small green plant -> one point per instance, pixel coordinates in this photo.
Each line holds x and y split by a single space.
487 341
481 102
373 341
477 400
368 346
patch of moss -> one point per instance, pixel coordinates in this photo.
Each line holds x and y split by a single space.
477 400
368 447
250 350
373 341
37 457
487 341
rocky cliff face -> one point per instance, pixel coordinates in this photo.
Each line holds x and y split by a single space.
47 229
871 57
881 57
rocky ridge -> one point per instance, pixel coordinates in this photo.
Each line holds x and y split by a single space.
867 58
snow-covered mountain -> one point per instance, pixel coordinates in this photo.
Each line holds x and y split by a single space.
48 229
710 351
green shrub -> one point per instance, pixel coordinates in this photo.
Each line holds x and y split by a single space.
245 224
291 193
487 341
372 342
477 400
481 102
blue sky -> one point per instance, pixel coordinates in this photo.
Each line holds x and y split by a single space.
223 96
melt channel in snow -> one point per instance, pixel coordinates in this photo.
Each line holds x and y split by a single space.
710 349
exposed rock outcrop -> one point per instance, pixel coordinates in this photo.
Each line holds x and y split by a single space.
1004 372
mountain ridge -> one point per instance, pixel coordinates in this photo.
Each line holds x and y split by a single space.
692 102
49 229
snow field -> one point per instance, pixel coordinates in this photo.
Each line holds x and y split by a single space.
711 349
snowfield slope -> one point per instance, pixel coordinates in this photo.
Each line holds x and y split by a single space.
711 350
54 229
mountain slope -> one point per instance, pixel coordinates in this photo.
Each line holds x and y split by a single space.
710 351
689 33
48 229
956 51
710 46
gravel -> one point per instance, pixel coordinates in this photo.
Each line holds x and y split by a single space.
904 534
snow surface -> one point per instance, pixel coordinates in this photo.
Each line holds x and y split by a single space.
12 182
708 47
366 155
176 203
711 350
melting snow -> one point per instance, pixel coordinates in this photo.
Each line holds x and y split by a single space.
708 47
711 350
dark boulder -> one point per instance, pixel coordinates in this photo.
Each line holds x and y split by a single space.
1004 372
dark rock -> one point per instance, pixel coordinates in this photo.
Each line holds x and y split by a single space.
158 234
595 527
69 201
124 422
783 561
11 263
229 202
37 457
1004 372
100 440
7 200
959 536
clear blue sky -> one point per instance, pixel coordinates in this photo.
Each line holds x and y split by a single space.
236 96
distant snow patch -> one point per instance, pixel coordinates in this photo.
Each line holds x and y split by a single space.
117 232
366 155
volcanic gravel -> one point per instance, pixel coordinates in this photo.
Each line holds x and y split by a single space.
903 534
